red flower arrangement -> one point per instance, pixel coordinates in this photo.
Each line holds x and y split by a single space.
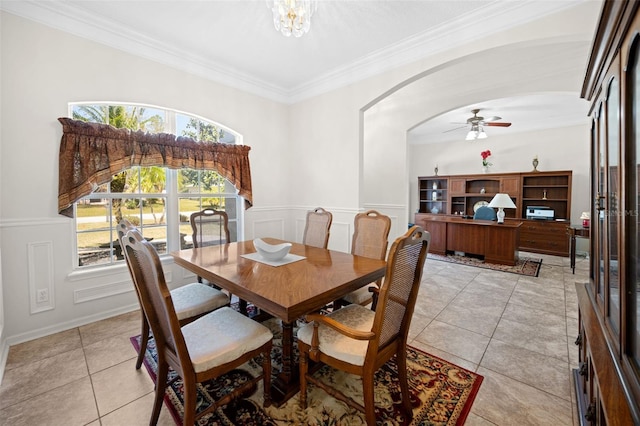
485 154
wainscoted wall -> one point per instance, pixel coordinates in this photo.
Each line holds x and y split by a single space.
39 260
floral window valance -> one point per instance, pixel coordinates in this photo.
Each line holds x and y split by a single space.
91 153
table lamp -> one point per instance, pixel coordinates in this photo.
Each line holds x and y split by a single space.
502 201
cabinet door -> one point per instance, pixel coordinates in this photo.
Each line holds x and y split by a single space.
510 185
612 280
457 186
632 181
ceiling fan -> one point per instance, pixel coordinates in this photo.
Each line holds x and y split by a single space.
478 123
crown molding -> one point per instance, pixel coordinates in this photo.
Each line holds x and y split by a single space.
499 16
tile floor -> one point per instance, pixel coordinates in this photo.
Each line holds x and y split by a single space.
516 331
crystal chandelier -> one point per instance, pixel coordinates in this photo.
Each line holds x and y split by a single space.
292 16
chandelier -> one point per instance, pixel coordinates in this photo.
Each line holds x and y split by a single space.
292 16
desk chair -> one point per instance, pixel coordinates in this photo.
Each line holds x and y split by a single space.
370 239
485 213
190 301
359 341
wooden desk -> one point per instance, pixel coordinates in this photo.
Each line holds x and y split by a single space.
576 231
287 292
498 243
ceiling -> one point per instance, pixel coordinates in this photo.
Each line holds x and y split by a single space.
525 113
234 42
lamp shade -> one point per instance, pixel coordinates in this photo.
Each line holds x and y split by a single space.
502 201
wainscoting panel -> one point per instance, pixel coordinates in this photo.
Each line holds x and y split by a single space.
89 294
41 288
273 228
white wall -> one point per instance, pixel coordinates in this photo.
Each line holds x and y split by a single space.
42 71
345 150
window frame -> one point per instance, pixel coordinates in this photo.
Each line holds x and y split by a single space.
171 192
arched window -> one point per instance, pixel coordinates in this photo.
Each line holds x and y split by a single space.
157 199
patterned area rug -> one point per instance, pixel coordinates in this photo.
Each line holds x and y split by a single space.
524 265
441 393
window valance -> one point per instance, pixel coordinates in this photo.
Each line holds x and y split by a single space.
91 153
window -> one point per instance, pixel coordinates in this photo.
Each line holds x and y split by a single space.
156 199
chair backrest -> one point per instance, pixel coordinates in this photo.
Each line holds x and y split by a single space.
124 226
398 295
371 234
316 230
485 213
210 228
155 298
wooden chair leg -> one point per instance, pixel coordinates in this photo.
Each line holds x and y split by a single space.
242 304
190 395
401 359
266 379
144 339
161 385
304 367
337 304
369 400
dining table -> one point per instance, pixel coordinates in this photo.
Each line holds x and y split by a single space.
287 290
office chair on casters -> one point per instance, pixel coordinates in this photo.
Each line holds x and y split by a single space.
485 213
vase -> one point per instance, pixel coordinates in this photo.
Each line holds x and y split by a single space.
485 169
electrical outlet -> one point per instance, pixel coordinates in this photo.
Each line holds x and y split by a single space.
42 295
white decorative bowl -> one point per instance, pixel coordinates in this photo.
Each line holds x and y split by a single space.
270 251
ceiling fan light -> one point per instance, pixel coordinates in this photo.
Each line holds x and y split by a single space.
481 134
472 135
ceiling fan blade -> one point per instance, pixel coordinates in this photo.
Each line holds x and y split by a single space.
456 128
497 124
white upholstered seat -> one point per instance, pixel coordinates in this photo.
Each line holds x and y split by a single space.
337 345
235 335
195 299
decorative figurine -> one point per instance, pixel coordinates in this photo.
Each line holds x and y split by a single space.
535 163
544 194
436 170
482 191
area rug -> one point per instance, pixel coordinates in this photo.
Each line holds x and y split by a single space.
441 393
524 265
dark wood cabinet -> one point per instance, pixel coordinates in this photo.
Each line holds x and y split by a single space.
461 195
608 379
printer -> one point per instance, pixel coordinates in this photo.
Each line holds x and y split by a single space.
540 212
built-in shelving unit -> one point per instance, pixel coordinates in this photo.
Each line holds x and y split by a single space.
461 195
434 197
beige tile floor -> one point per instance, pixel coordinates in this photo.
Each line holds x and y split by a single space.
516 331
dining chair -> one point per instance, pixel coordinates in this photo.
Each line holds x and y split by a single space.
190 301
359 341
210 227
204 349
316 230
370 239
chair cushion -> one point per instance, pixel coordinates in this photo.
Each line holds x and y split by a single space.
361 295
338 345
196 299
222 336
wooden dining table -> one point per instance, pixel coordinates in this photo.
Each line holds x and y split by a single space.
287 292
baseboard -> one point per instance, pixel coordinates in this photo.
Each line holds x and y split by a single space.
64 326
